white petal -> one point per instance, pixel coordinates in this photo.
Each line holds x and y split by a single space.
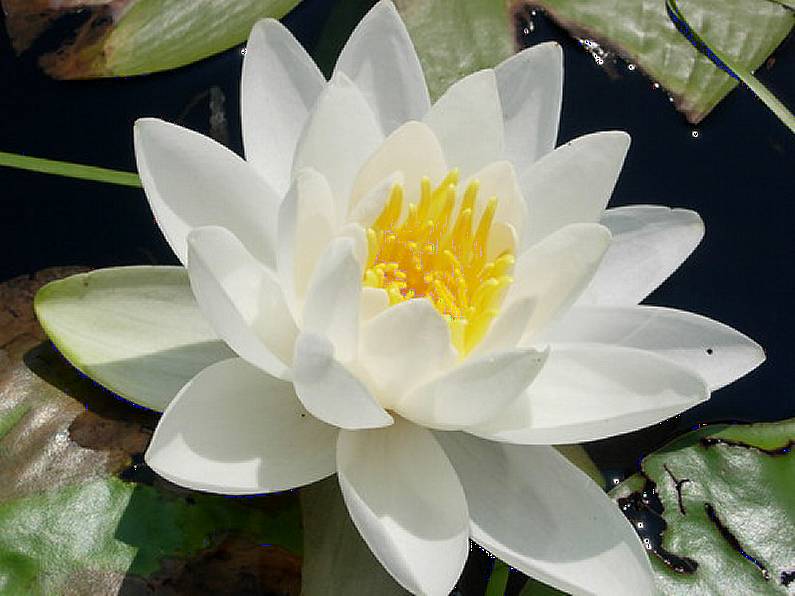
589 392
332 543
406 501
279 86
338 137
498 179
573 183
333 298
413 150
649 243
136 330
718 353
374 302
306 225
473 392
192 181
236 430
540 514
380 58
503 238
370 206
241 299
329 390
404 346
467 119
555 271
508 328
530 84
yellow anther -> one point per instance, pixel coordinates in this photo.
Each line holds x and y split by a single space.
429 254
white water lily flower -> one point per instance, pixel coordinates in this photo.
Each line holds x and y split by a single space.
421 299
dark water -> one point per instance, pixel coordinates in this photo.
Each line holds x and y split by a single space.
735 169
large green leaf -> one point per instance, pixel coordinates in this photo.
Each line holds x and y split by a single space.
747 31
70 524
135 330
456 37
131 37
725 497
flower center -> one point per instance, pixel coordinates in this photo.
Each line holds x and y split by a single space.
431 254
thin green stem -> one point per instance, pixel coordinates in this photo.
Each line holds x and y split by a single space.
71 170
498 580
721 61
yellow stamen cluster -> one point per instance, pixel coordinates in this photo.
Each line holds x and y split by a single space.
443 258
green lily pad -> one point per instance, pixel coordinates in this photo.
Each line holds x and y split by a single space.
132 37
136 330
640 31
456 37
723 499
79 511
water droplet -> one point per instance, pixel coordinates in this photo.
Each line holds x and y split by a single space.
631 66
243 51
694 134
656 85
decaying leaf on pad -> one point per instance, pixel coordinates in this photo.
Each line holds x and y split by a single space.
132 37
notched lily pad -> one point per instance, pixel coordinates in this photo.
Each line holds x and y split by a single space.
456 37
716 508
132 37
69 524
641 32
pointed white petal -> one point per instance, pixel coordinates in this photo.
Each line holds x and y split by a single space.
339 136
498 179
329 390
473 392
374 302
540 514
588 392
236 430
414 151
508 328
715 351
306 226
135 330
573 183
279 86
467 119
380 58
333 298
406 501
369 207
555 271
404 346
649 243
192 181
530 84
503 238
332 543
241 299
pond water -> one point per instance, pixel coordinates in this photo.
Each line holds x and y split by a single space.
735 169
